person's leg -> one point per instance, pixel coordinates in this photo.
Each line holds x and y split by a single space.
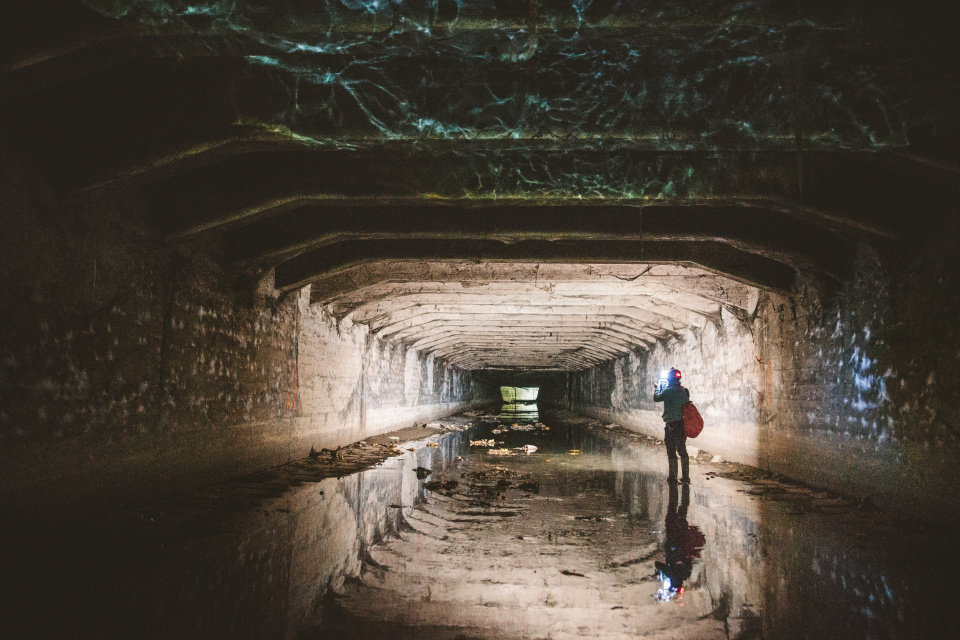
670 438
684 458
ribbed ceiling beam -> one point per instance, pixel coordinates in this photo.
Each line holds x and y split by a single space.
627 292
374 280
437 323
470 359
418 315
748 267
379 313
767 231
596 345
507 341
587 349
431 337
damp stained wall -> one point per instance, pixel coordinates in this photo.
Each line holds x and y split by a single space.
852 392
130 370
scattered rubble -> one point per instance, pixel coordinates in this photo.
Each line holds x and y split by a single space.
525 449
422 473
436 485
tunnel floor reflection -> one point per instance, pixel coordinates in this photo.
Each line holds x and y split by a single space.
559 529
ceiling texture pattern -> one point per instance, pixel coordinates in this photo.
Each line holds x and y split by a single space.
503 183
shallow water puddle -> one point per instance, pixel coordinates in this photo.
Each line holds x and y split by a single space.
567 530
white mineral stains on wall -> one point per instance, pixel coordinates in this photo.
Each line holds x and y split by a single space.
354 385
169 367
719 367
411 377
801 391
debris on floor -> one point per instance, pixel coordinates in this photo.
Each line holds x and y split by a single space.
422 473
525 449
436 485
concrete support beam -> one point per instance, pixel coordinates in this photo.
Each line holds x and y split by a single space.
418 315
642 333
845 192
382 312
520 355
481 359
377 280
628 292
494 339
433 337
746 266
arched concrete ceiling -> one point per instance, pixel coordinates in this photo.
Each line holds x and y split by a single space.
521 315
498 186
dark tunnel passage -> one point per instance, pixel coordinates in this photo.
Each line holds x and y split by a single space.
278 278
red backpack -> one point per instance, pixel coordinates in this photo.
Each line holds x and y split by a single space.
692 420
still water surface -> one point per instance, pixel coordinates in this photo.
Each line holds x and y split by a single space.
582 538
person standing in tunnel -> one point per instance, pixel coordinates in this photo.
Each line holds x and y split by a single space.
673 395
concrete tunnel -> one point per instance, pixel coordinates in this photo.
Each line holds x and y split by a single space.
237 234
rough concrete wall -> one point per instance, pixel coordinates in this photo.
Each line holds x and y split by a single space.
719 367
858 395
354 385
861 396
130 369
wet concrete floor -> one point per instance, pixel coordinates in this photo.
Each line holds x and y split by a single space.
423 535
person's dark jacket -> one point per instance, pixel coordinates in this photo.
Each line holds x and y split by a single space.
673 398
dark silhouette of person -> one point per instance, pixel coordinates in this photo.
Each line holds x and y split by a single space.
684 543
673 396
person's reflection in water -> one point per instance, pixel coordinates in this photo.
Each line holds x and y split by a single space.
684 543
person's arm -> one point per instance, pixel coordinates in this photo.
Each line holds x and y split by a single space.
658 395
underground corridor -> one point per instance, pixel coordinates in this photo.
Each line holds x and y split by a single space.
344 319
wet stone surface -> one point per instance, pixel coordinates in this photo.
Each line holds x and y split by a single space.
560 529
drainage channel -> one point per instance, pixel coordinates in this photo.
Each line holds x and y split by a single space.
568 529
491 526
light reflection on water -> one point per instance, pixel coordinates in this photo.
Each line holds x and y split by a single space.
520 412
750 565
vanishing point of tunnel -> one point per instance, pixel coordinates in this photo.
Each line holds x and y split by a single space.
343 319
